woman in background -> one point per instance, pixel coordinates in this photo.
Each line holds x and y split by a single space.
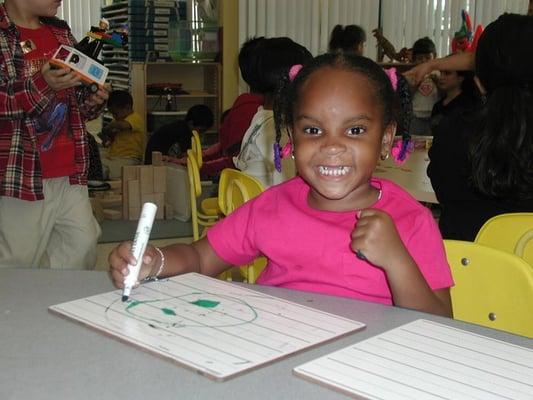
483 166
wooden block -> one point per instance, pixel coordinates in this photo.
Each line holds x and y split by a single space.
112 214
134 213
134 194
111 201
159 201
169 211
146 178
157 158
128 173
116 186
97 195
98 211
147 198
160 179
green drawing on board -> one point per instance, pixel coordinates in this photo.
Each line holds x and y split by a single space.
168 311
216 310
132 304
205 303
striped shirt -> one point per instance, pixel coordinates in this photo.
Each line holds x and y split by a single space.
23 97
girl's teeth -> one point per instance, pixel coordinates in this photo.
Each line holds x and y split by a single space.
333 171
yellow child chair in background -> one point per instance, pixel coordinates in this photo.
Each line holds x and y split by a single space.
208 206
511 232
492 288
195 191
234 189
196 147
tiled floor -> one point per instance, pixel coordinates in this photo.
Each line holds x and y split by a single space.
104 249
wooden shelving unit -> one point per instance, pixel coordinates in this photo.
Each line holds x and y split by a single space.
202 81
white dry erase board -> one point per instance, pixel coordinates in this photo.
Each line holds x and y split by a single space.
214 327
426 360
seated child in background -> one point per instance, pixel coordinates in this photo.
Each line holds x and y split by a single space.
124 135
425 94
333 229
256 156
237 120
174 139
347 39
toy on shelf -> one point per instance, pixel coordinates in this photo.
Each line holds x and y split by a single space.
462 39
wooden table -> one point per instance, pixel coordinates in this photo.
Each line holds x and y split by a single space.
411 175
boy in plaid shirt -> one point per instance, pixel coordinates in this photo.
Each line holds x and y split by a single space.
45 214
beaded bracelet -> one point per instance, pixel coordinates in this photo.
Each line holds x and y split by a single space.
155 277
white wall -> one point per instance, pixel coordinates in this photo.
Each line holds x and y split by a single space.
80 15
309 22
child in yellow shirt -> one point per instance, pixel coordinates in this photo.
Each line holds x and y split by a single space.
124 135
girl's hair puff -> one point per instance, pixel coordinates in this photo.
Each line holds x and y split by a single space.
274 58
288 94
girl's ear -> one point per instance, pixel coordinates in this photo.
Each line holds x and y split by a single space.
388 139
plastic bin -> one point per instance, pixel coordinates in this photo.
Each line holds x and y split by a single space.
193 40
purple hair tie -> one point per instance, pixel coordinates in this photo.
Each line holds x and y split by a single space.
401 150
280 153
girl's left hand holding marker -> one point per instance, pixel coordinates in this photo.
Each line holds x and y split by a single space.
376 239
121 255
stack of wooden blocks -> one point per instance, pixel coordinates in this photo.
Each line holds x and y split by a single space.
141 184
108 204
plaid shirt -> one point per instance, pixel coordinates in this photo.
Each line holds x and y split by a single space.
22 98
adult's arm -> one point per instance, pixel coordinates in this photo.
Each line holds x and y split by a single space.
457 62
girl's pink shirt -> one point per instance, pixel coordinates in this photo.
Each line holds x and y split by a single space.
309 249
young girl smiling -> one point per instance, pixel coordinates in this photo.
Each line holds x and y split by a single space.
333 229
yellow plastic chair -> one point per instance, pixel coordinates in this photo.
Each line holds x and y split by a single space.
492 288
209 206
196 147
511 232
195 191
234 189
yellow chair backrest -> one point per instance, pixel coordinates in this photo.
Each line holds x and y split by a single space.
511 232
492 288
196 147
195 190
234 189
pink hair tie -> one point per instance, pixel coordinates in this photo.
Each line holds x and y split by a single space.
294 71
393 77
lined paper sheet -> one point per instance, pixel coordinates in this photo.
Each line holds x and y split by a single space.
426 360
215 327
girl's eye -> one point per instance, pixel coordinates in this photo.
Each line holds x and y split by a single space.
356 130
312 130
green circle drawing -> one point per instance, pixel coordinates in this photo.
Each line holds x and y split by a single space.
197 309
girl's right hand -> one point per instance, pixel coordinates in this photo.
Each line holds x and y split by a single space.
121 256
59 79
